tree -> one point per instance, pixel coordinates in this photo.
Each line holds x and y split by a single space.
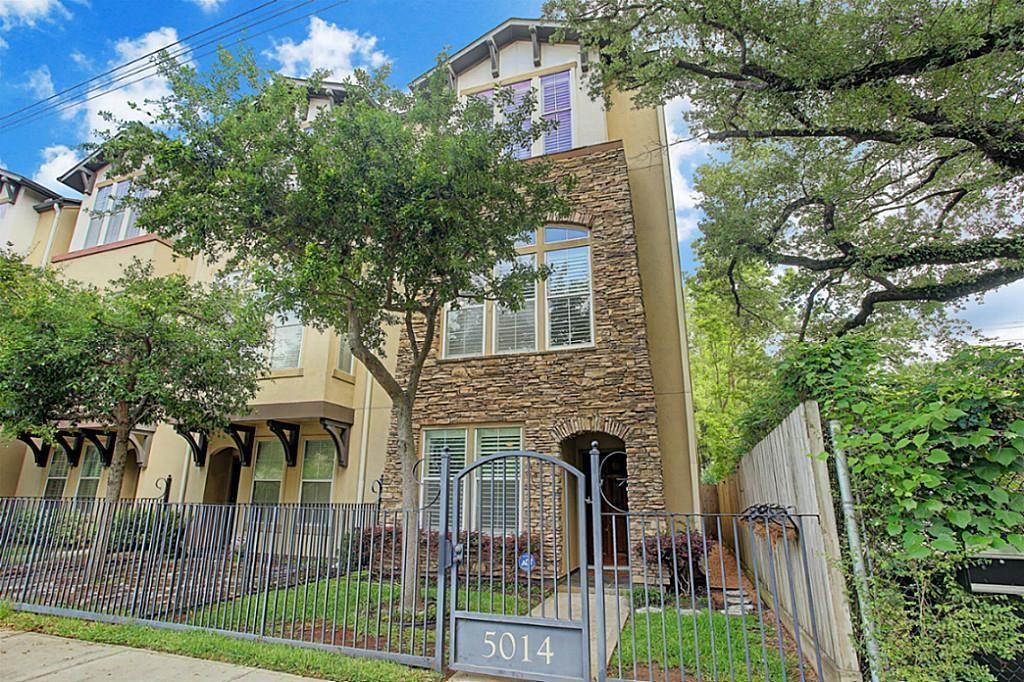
876 148
381 210
729 362
147 350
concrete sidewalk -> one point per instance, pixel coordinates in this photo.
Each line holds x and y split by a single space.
33 656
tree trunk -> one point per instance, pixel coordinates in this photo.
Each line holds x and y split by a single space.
107 509
115 474
410 503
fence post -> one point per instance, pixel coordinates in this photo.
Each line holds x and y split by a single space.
595 514
442 559
856 554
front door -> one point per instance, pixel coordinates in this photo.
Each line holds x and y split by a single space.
614 505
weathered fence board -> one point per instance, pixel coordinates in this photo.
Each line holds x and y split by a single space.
782 469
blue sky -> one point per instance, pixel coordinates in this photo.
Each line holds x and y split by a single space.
48 45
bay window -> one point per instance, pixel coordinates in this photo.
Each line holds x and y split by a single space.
111 220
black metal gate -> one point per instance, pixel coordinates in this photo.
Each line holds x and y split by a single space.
520 602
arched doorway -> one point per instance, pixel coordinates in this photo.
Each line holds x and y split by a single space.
222 472
614 496
130 477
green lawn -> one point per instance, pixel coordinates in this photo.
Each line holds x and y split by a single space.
669 640
198 644
350 608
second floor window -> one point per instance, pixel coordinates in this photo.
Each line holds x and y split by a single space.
345 359
561 306
556 106
286 344
111 220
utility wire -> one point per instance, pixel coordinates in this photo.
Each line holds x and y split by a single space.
154 67
111 70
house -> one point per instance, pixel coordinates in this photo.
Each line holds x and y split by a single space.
597 354
35 224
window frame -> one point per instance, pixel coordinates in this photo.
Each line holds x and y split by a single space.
344 350
273 341
280 481
126 216
302 469
470 492
538 249
483 305
89 449
49 476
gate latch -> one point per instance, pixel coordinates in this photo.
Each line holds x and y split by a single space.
458 554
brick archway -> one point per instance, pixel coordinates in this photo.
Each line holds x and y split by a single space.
565 429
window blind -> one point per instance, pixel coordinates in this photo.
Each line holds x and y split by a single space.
516 330
497 484
287 341
434 443
557 107
464 330
568 297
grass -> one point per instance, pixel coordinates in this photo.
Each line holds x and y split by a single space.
198 644
667 639
357 604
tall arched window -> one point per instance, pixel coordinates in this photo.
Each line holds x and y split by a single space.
556 314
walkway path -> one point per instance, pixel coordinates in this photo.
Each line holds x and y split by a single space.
33 656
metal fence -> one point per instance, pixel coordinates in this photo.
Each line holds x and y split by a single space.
645 595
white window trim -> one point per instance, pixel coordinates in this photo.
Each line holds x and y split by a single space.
425 506
475 491
49 477
483 335
590 287
105 220
81 470
303 479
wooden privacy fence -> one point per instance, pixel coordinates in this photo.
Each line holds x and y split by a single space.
782 470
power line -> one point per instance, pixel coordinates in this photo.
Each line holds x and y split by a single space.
151 67
111 70
154 67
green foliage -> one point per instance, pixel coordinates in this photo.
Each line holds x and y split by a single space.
380 209
931 629
146 350
875 149
729 363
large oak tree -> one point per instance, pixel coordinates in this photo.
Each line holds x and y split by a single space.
875 148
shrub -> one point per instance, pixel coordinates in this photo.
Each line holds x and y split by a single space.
677 556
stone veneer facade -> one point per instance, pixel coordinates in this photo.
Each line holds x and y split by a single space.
555 395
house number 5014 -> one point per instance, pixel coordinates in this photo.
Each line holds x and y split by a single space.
507 647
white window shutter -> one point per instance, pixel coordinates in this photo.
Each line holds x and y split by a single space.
569 298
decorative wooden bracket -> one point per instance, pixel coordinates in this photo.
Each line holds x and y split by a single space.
105 447
71 443
198 443
244 436
40 450
288 434
338 431
492 48
535 39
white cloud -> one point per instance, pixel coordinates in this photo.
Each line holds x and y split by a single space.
30 12
684 155
119 102
3 44
40 82
57 160
999 313
338 50
208 6
81 60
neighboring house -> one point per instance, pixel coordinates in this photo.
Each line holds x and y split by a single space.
598 353
35 223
